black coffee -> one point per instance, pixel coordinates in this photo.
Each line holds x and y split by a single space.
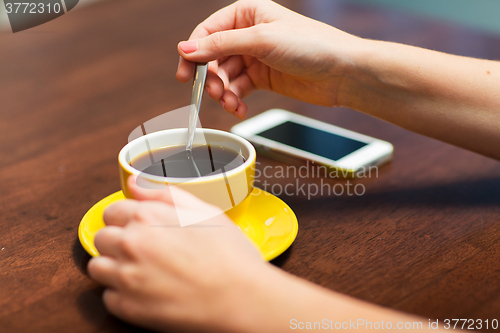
174 161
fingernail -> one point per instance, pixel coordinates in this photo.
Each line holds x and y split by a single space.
237 114
179 64
188 47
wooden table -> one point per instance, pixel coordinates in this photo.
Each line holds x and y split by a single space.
424 238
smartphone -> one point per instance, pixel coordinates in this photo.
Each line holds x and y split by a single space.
279 132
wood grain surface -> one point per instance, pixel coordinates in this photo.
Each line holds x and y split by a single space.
424 238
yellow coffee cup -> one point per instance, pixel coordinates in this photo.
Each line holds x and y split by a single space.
227 190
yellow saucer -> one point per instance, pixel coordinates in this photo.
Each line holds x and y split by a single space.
268 221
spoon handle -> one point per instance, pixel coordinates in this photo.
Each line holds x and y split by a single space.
198 85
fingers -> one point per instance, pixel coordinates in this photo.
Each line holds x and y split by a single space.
158 208
108 242
238 29
214 40
223 19
122 305
142 194
241 111
173 195
120 213
185 70
152 207
125 213
246 41
228 70
229 101
111 299
242 86
231 69
228 83
104 270
214 84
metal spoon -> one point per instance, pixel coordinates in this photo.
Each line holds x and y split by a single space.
196 96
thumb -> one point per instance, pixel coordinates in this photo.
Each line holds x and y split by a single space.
170 194
246 41
140 193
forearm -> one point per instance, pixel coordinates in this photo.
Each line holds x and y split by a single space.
278 302
451 98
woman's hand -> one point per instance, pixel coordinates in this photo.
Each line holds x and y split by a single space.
203 278
162 276
258 44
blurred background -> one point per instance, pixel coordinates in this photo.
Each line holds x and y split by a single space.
479 14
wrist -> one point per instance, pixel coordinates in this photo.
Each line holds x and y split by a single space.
267 300
256 301
357 76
